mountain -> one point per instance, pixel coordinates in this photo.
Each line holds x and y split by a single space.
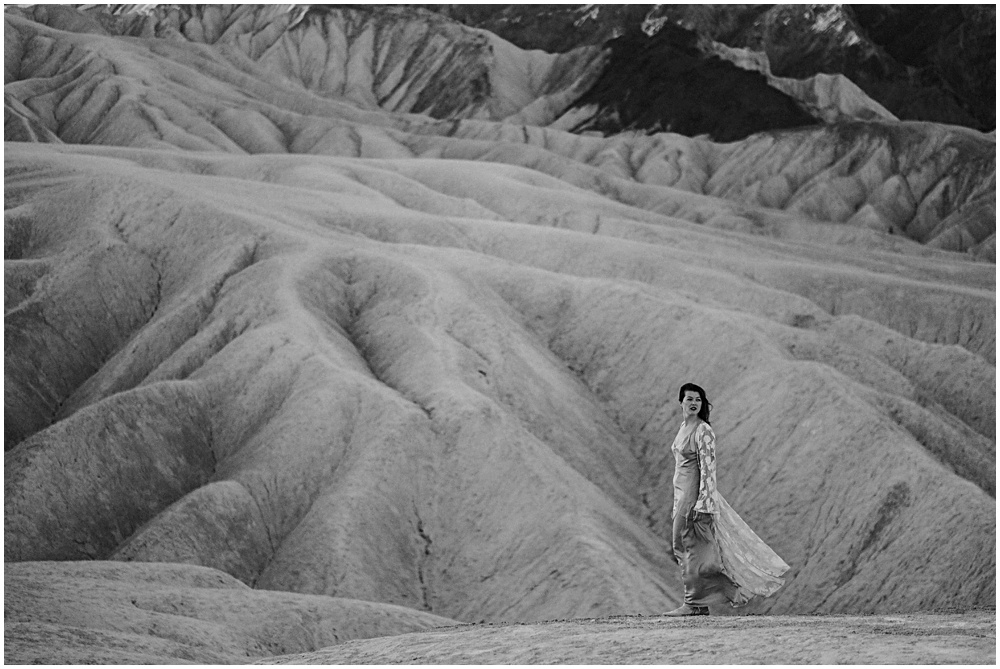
921 62
329 308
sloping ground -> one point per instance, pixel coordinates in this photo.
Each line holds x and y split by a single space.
830 97
933 184
900 639
336 350
395 58
696 94
926 62
114 613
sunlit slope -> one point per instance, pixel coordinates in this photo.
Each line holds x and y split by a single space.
393 58
256 323
878 182
342 394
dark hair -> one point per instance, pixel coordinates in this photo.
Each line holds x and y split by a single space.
706 406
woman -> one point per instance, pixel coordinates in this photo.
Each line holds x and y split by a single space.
721 557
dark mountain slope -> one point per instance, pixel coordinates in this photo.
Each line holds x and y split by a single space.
664 83
922 62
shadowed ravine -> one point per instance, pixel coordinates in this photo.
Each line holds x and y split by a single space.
368 368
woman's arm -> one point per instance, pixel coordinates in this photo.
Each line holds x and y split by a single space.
704 439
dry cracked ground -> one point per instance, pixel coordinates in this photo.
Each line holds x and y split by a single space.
320 327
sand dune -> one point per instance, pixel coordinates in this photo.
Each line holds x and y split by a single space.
332 346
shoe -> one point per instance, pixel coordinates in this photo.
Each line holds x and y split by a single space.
688 610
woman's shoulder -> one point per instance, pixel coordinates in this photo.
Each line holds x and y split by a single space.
704 428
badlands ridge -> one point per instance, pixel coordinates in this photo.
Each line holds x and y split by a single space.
321 325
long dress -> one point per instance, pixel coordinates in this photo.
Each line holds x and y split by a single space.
723 560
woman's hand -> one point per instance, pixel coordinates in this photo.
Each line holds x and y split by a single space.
695 516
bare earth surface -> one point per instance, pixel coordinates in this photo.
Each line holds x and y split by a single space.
319 326
931 638
110 612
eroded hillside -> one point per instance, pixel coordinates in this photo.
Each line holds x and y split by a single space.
333 303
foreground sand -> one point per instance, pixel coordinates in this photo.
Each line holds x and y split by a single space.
925 638
108 612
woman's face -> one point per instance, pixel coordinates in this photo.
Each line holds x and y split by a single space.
691 404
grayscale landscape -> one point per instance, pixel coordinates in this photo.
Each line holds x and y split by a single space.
353 334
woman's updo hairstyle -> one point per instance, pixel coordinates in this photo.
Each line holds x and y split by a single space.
706 406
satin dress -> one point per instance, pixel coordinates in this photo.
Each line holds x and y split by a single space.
722 559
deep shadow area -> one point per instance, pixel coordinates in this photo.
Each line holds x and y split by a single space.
663 83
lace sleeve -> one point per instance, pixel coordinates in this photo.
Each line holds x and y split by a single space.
704 439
